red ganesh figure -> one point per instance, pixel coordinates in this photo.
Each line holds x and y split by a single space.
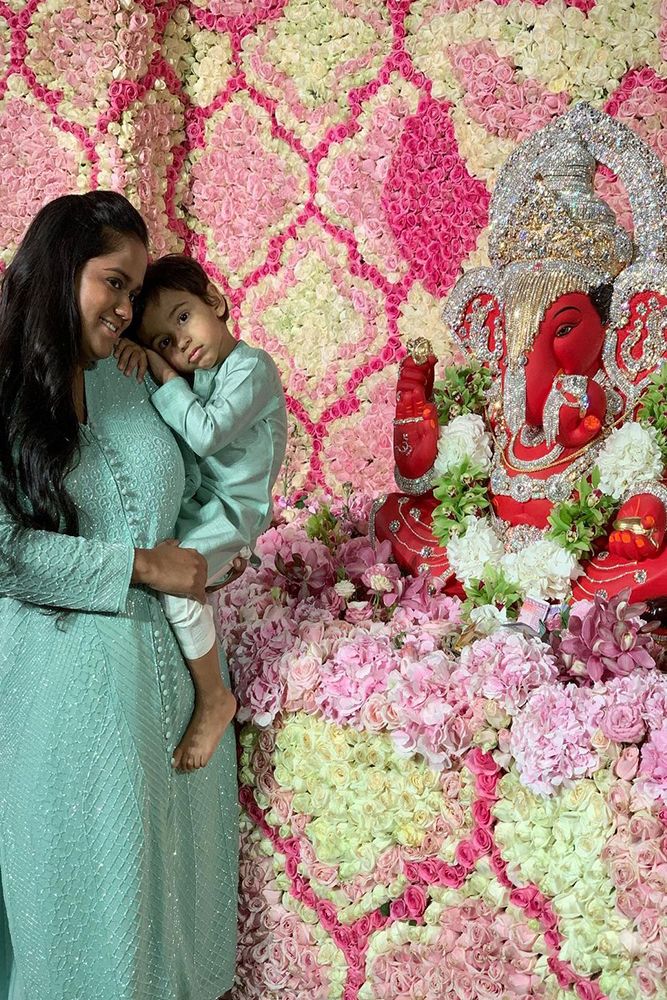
570 321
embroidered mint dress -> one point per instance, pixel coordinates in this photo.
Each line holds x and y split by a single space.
118 876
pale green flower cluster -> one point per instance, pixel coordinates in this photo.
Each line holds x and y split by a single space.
586 55
202 59
321 54
362 796
555 842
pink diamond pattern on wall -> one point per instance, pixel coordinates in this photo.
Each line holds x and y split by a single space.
329 161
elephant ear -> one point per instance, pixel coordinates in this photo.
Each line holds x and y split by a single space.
474 315
636 342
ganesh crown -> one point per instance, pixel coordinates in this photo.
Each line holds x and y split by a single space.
550 233
559 216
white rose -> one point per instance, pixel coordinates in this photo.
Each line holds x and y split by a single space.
631 456
463 437
470 552
345 589
543 569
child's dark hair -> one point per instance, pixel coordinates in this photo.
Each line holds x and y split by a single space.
174 271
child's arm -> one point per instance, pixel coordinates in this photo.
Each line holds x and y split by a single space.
235 406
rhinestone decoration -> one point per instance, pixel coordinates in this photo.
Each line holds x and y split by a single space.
640 576
656 490
415 486
375 507
394 526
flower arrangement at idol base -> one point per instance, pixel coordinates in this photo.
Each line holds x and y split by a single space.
495 581
430 810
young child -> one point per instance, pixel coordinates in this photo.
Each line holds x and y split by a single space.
224 399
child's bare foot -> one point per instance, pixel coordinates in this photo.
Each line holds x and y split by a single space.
211 716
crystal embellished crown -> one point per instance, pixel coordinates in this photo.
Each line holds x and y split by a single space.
550 234
559 216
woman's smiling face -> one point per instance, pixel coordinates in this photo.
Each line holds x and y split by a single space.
106 288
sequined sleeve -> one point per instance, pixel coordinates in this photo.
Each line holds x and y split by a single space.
43 567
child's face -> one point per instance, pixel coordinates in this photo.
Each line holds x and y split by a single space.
185 330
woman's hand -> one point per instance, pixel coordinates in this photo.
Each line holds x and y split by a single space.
160 370
131 356
170 569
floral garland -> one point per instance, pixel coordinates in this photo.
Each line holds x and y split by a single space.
634 454
422 811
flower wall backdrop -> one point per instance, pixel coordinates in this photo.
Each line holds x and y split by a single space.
329 161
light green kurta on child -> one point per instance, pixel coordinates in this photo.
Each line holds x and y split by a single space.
118 875
234 420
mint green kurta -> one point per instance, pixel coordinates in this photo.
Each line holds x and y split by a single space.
234 420
118 875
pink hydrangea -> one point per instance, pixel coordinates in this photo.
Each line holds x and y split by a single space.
653 767
358 667
256 665
551 736
508 666
655 703
431 713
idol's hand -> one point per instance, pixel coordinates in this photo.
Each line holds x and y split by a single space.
577 406
639 529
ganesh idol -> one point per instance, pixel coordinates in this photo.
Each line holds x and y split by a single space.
569 325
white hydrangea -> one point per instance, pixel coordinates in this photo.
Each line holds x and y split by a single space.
470 552
487 618
463 437
543 569
631 456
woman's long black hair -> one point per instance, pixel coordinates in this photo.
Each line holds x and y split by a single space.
40 344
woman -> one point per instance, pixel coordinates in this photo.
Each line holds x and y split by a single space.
118 875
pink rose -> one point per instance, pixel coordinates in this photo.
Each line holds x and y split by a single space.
623 723
466 854
646 982
415 901
487 784
326 911
648 924
627 764
481 813
642 826
482 841
588 990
